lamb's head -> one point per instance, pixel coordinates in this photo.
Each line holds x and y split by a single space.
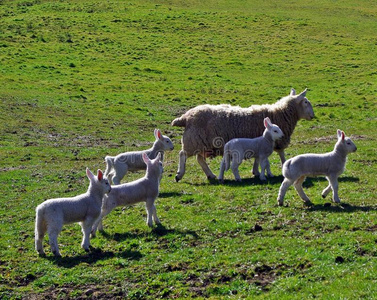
304 107
154 166
344 144
164 142
99 182
273 129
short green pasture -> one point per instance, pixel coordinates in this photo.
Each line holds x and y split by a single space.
84 79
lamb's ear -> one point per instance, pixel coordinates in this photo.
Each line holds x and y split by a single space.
89 174
267 122
157 134
99 175
146 158
293 92
339 133
343 135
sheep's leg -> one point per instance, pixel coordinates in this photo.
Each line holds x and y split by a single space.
53 233
300 191
334 185
234 167
283 189
264 165
282 156
202 162
181 166
256 167
86 227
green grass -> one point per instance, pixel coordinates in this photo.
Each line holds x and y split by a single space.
84 79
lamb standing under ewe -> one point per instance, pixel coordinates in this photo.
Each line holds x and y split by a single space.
119 165
260 148
85 208
209 127
144 189
330 164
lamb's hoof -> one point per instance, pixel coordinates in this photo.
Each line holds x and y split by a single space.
280 202
57 254
177 179
221 181
308 203
323 196
87 250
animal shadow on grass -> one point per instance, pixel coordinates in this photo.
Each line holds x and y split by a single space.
309 181
276 180
157 231
93 256
342 207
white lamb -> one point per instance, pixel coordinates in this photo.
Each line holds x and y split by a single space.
85 208
144 189
260 148
132 161
330 164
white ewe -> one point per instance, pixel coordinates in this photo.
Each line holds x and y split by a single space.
209 127
330 164
143 189
85 208
260 148
119 165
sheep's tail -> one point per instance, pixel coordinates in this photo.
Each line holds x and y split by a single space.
181 122
109 164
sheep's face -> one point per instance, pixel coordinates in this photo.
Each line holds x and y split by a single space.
305 109
168 144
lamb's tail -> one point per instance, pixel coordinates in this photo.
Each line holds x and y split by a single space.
227 157
109 164
286 169
40 229
181 121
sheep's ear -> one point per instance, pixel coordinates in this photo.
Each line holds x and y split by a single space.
146 158
99 175
89 174
293 92
303 94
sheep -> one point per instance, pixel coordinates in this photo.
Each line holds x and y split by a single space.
144 189
330 164
209 127
85 208
242 148
132 161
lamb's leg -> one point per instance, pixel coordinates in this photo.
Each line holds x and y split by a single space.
256 167
334 185
120 170
326 191
40 231
268 168
107 207
202 162
264 165
283 189
53 232
222 170
151 210
234 166
181 166
154 211
86 227
300 191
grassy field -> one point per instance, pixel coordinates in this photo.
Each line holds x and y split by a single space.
84 79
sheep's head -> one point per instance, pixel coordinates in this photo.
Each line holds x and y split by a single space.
305 108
